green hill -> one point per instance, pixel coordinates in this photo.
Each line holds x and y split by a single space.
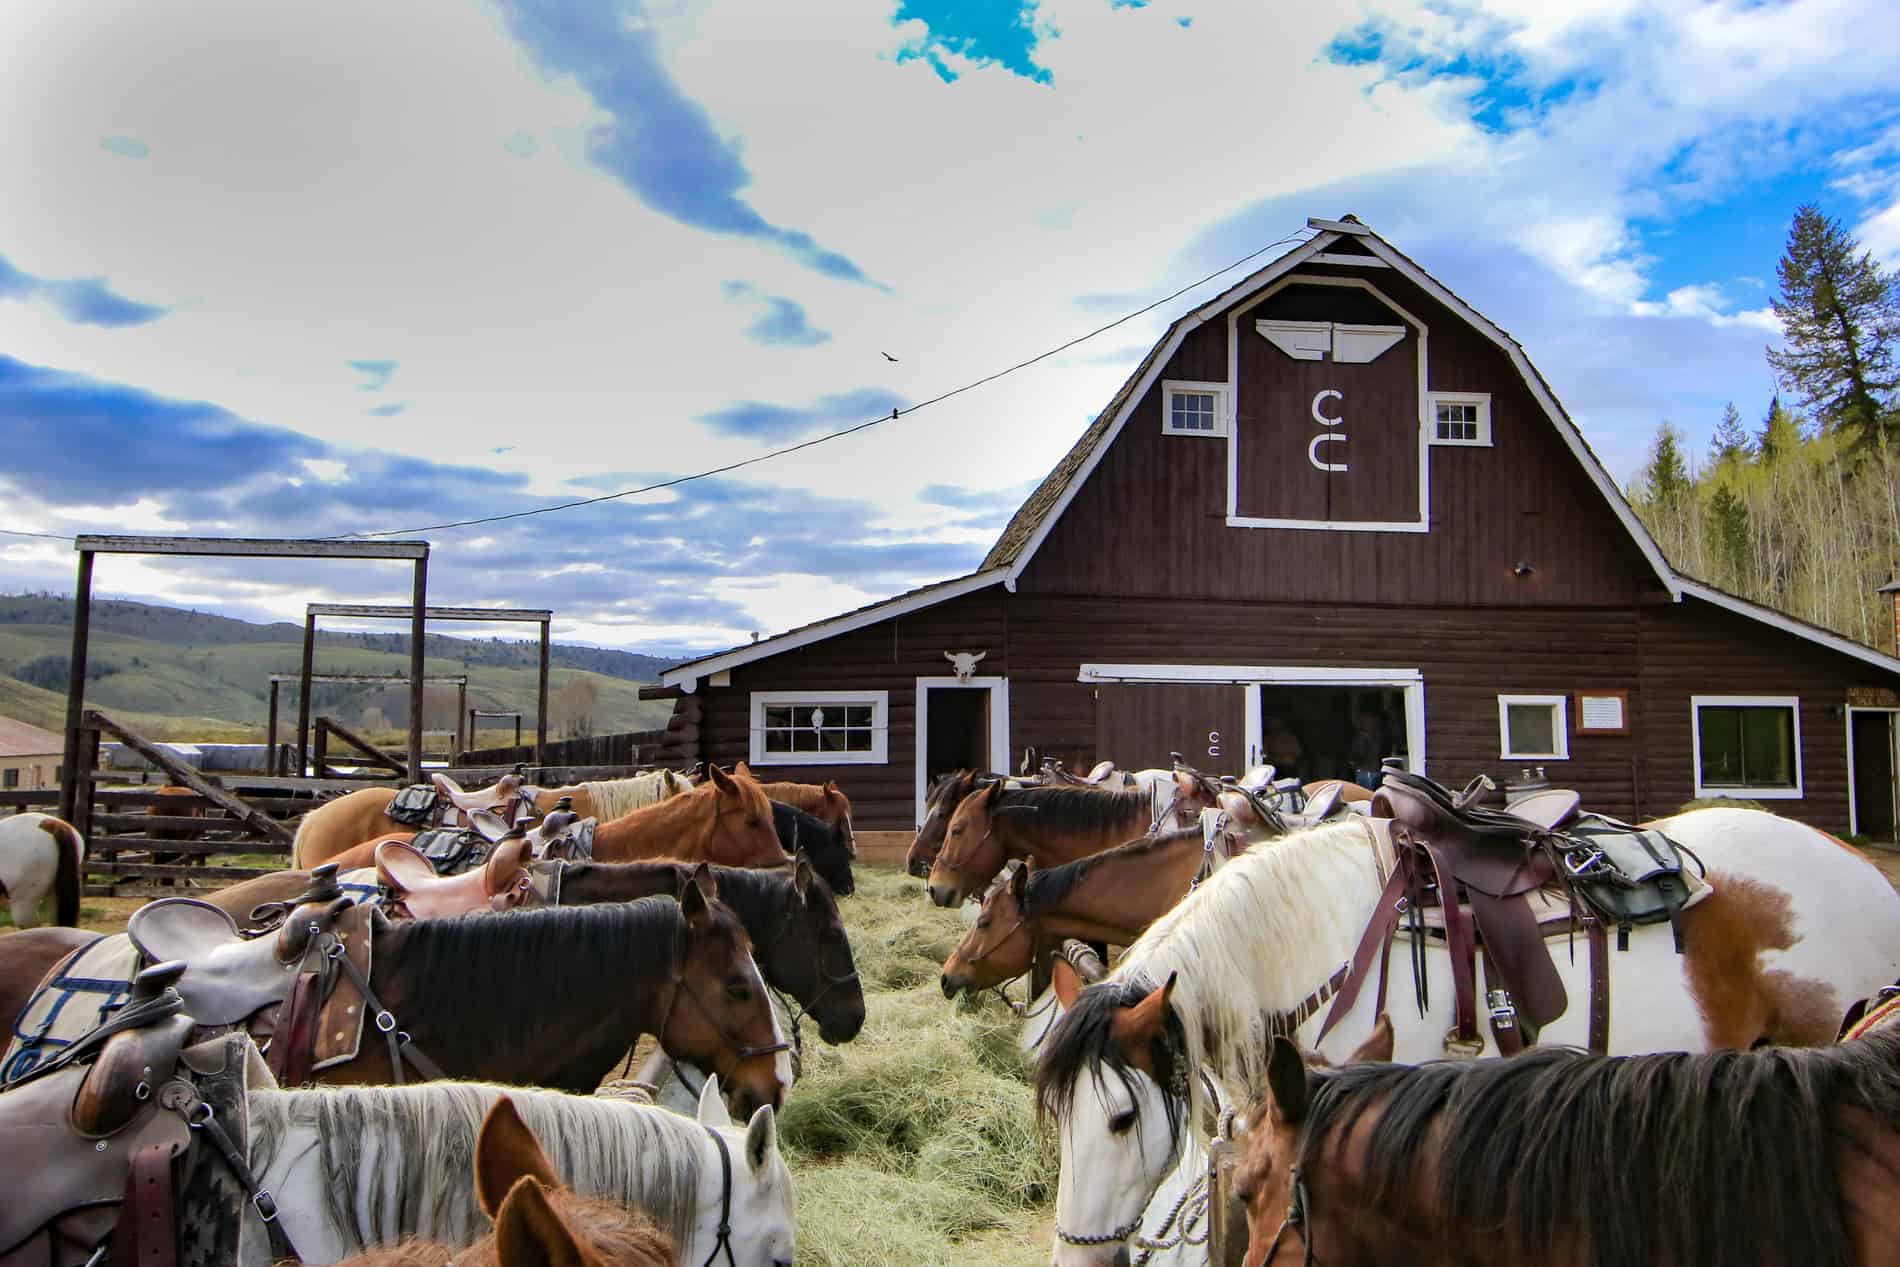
190 675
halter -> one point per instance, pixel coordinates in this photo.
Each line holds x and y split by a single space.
800 1010
726 1036
1296 1218
725 1203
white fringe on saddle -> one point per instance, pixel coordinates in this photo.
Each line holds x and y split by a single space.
619 797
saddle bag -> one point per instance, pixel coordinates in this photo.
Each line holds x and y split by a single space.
1630 876
452 850
415 806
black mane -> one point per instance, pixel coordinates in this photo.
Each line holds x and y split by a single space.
1728 1157
1081 1042
1070 808
1048 887
826 845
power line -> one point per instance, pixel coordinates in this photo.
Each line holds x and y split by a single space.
893 416
46 536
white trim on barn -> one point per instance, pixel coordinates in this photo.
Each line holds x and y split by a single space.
877 754
1559 706
1698 702
999 725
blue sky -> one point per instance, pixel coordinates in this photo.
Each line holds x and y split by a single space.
514 251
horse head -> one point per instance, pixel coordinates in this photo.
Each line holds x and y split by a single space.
945 795
742 815
1000 945
971 854
811 958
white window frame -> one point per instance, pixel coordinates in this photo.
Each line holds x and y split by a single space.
1560 732
1698 702
1481 399
880 702
1181 386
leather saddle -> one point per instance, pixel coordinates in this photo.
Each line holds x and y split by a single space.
563 834
454 850
415 890
229 977
494 799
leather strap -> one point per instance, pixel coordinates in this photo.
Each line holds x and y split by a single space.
1385 919
1506 1025
725 1204
294 1044
1599 940
1459 941
146 1235
401 1046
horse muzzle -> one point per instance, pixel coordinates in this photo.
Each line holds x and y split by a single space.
945 895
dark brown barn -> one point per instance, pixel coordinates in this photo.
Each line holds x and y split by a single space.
1335 514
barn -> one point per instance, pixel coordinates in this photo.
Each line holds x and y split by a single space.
1334 514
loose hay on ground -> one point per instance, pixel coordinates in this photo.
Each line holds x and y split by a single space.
916 1143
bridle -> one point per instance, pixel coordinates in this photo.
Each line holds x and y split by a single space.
681 989
725 1203
799 1010
1296 1219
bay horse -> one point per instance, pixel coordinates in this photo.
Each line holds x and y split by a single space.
1053 825
1694 1160
940 802
40 854
355 1167
1796 922
1108 897
537 1220
821 800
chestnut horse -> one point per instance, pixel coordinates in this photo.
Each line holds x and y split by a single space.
1053 825
821 800
727 819
1772 1156
538 1221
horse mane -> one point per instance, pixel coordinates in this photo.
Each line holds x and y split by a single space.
614 797
385 1152
1724 1157
1049 887
1072 808
1252 941
463 964
1082 1043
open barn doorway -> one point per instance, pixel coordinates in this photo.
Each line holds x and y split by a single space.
1876 796
961 725
1332 732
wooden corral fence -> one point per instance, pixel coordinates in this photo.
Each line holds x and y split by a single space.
624 750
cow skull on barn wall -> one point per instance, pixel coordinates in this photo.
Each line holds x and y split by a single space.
964 662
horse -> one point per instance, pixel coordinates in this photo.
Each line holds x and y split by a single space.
1108 897
611 798
354 1167
338 823
940 802
1796 921
40 854
537 1219
1052 825
828 847
1772 1156
821 800
726 819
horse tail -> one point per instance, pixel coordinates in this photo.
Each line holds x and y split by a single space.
66 876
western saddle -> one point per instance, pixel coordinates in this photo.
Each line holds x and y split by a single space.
413 889
1489 872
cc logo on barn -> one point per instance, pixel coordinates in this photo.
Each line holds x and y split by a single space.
1332 434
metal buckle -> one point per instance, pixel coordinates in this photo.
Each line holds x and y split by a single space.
1590 863
1503 1015
386 1021
265 1205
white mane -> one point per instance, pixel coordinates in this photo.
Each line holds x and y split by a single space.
399 1158
618 797
1253 940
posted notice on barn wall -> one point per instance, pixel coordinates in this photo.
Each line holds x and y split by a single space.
1605 713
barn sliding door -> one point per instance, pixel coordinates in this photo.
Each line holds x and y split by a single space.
1137 726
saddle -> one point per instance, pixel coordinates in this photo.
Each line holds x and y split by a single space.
563 834
494 799
132 1141
454 850
414 889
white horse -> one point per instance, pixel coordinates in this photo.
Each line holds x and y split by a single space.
40 854
357 1166
1798 925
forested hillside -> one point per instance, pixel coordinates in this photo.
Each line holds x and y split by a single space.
1800 509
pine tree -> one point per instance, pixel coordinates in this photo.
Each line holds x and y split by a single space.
1665 477
1731 441
1728 535
1780 433
1840 320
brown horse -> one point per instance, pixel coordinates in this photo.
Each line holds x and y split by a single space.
1109 897
1773 1156
940 803
1052 825
727 819
538 1221
603 799
821 800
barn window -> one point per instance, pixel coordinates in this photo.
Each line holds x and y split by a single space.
1194 409
819 727
1461 418
12 779
1747 745
1534 727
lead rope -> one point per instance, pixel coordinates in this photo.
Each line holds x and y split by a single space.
725 1204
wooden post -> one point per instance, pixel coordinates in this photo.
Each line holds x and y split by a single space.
541 708
464 740
537 747
418 620
270 733
320 750
88 763
303 695
334 727
76 685
180 772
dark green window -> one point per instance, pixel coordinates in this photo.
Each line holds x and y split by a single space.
1748 746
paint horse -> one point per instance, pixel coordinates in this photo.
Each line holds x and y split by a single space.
1797 922
1770 1156
357 1167
537 1220
40 855
1054 825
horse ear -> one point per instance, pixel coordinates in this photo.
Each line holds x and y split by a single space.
529 1232
761 1138
993 793
1135 1026
801 874
742 771
832 791
1066 981
1286 1081
506 1151
1377 1048
712 1104
1019 880
694 900
721 779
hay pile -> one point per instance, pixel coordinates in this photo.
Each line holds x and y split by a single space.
916 1144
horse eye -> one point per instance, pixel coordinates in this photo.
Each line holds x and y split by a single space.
1121 1122
752 821
738 992
984 922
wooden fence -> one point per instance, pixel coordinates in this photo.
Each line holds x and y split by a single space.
626 751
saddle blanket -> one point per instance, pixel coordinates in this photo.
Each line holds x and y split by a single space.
80 994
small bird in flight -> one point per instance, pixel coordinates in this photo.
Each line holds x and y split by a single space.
887 356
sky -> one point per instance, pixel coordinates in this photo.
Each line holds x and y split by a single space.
303 270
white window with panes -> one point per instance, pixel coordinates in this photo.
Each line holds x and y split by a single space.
819 727
1193 409
1534 727
1461 418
